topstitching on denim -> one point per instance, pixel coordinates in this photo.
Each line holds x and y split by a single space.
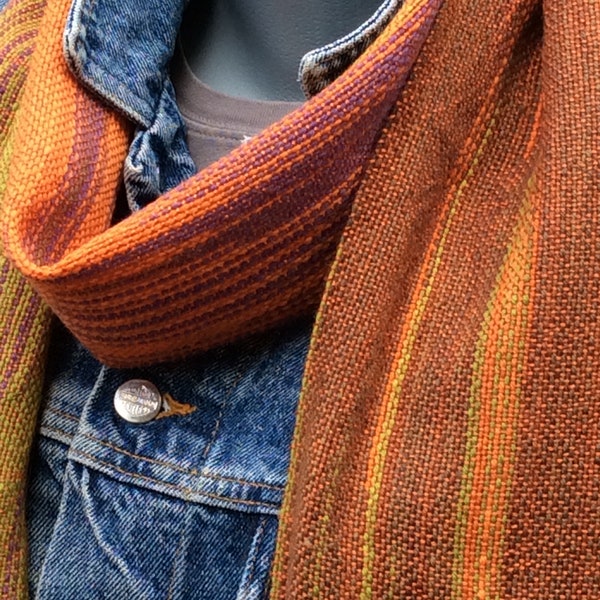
223 464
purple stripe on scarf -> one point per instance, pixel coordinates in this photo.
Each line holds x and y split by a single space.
52 240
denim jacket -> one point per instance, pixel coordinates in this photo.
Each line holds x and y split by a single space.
184 506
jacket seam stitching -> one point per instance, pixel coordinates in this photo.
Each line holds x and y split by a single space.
189 492
192 472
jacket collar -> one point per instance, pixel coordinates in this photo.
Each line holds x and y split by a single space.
121 49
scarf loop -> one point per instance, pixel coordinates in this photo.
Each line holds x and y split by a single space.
242 246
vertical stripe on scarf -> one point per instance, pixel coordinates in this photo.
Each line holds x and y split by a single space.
24 321
447 437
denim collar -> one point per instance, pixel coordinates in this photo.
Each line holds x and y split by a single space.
120 49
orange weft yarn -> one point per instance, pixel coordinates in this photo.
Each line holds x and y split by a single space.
239 248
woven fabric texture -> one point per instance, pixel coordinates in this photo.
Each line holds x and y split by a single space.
244 245
448 438
24 321
448 435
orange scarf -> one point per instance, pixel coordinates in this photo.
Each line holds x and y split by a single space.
448 435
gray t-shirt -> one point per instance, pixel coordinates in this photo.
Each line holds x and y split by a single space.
217 123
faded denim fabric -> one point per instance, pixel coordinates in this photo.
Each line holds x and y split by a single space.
121 49
184 506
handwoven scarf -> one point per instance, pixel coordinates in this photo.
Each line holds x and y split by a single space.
24 322
448 435
239 248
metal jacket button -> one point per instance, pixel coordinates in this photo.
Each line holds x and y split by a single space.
138 401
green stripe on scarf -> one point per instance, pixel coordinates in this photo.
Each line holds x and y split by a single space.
24 322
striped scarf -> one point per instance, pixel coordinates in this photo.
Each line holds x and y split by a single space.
448 436
24 321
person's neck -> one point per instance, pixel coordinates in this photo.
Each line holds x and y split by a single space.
252 48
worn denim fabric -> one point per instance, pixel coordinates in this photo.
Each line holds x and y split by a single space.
121 49
184 506
321 66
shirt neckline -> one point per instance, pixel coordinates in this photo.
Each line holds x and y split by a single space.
202 105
